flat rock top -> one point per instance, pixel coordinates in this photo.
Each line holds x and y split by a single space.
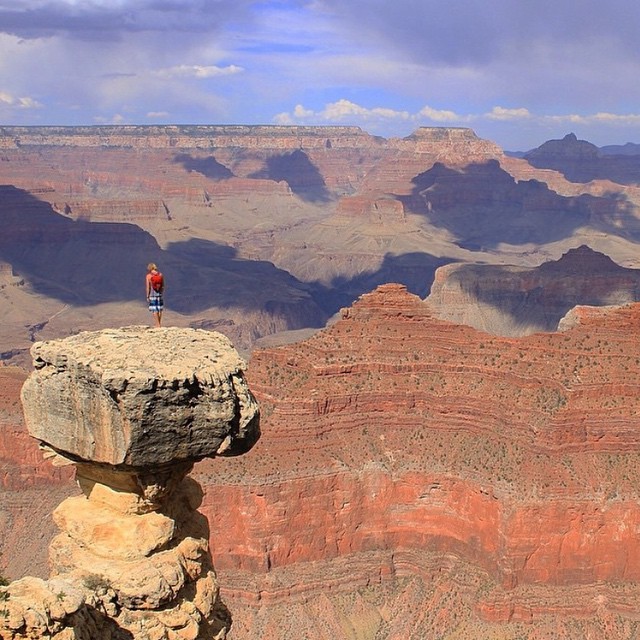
140 353
140 397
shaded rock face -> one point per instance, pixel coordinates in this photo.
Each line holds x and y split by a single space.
581 161
132 557
515 301
482 205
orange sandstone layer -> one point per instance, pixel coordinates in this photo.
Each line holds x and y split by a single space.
392 432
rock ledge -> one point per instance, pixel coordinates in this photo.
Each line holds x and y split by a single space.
140 397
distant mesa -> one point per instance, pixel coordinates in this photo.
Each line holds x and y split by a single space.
581 161
627 149
569 147
516 301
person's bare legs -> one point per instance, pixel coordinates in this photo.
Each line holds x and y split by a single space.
157 315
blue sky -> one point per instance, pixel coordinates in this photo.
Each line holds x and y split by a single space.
518 72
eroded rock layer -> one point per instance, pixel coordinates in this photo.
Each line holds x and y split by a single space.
514 301
407 440
266 229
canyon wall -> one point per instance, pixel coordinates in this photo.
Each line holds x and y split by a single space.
515 301
421 479
416 478
265 229
401 454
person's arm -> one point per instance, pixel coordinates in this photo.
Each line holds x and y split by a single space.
148 285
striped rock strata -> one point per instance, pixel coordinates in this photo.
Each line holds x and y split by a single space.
420 479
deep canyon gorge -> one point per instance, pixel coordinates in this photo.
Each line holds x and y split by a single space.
441 338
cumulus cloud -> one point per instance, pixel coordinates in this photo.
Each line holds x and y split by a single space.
597 118
25 102
440 115
300 112
345 108
346 111
500 113
342 111
198 71
116 118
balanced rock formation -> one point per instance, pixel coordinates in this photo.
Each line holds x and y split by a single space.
134 409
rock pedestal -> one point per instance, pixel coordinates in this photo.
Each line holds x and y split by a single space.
133 408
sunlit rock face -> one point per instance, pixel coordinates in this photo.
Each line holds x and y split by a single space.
422 479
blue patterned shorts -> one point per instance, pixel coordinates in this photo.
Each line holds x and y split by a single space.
156 303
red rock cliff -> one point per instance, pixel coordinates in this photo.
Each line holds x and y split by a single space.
393 440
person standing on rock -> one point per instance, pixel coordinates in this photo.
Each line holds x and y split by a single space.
155 292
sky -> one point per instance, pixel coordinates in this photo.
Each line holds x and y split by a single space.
518 72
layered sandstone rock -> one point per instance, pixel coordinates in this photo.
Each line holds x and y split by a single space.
134 408
261 230
454 480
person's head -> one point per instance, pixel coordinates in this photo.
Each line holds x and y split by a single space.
152 267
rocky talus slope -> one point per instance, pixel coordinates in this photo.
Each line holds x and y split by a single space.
420 479
133 409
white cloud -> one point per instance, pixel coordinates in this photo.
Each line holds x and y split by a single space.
341 110
440 115
116 118
301 112
347 111
390 114
344 109
285 118
8 100
198 71
158 114
629 119
501 113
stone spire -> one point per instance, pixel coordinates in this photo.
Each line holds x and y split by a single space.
133 409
